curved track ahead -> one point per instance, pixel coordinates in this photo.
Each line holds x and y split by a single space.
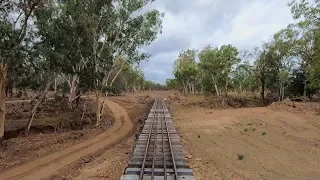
158 153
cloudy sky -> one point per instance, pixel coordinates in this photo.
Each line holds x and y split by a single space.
197 23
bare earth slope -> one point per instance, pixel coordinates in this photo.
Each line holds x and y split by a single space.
274 144
44 167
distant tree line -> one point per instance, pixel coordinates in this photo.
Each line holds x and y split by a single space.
288 65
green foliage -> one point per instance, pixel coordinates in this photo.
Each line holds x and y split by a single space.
74 38
314 70
133 78
263 133
240 156
251 129
216 64
186 70
172 83
243 77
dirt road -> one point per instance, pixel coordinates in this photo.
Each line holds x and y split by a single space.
46 166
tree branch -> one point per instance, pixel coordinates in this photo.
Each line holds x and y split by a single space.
114 78
67 79
77 96
15 22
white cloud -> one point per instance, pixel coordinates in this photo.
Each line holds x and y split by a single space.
194 24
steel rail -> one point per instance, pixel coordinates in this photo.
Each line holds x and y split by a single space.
146 150
154 147
171 151
163 149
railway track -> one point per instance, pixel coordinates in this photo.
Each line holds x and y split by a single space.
158 153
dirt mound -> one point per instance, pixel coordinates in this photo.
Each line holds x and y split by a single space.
175 97
249 143
230 102
144 99
307 108
213 101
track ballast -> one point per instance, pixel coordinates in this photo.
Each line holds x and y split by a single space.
158 152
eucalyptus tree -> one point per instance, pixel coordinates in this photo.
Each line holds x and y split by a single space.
186 71
243 77
261 69
133 77
171 84
15 38
266 68
119 30
217 64
95 37
211 65
149 85
308 12
284 61
229 57
314 70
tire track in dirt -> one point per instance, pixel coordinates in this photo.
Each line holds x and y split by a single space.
44 167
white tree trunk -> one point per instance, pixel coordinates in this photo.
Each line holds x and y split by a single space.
39 101
283 93
226 88
84 109
185 89
55 85
305 89
193 88
215 85
126 85
98 105
217 90
73 89
3 78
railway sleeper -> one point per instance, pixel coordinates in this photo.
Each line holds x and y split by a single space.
173 146
159 164
160 171
148 177
157 157
140 158
158 150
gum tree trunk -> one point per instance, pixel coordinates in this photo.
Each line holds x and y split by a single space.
262 91
98 107
34 109
305 89
215 85
73 89
226 89
3 78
